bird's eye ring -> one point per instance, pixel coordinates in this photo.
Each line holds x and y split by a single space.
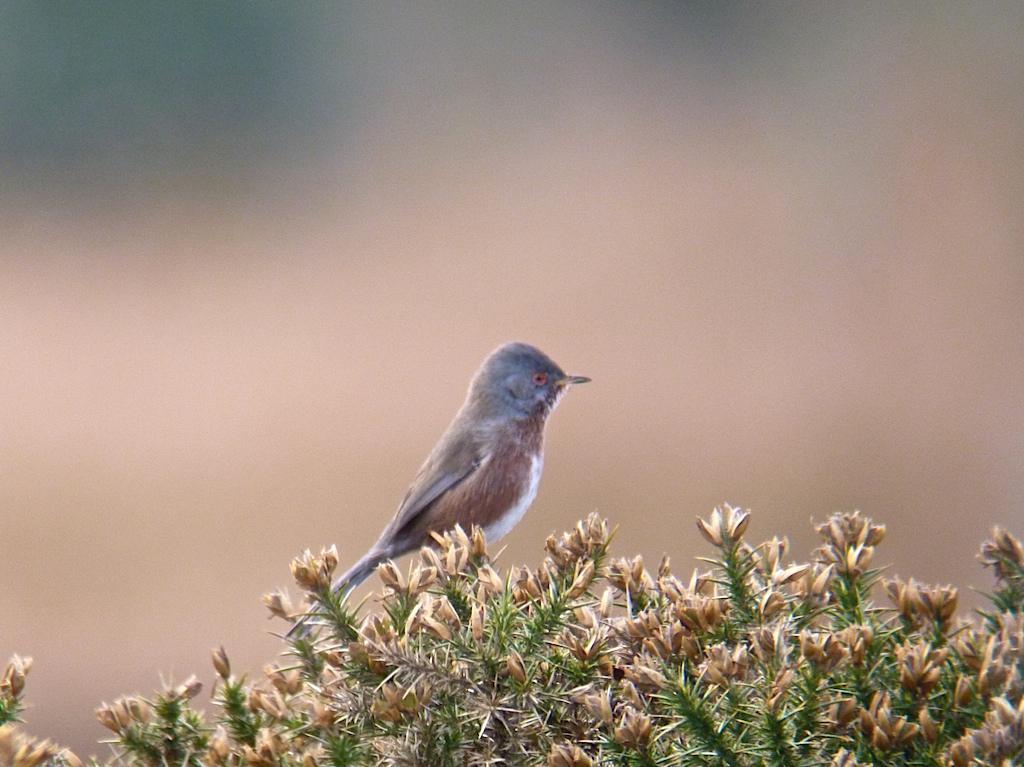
540 378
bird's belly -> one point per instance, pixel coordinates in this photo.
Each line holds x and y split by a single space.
505 522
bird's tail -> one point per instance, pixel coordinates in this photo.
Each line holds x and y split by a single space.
355 575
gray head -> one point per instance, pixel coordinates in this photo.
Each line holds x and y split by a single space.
520 381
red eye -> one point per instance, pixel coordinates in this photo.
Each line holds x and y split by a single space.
540 378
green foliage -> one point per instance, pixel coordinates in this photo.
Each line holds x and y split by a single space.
590 660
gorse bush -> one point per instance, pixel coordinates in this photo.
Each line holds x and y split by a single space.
593 660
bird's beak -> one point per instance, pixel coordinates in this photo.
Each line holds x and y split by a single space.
570 380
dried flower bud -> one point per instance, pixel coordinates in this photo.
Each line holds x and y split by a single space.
929 729
477 621
391 577
314 573
490 580
725 527
599 706
920 667
961 753
843 712
279 605
515 667
634 730
962 692
629 576
525 586
630 694
783 577
422 578
1003 553
312 756
568 755
18 750
221 663
220 745
780 685
712 529
478 543
187 690
843 758
285 681
582 580
320 715
822 650
769 604
108 718
885 730
14 674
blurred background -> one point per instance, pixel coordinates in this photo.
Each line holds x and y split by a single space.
251 254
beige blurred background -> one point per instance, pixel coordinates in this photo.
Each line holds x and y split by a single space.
251 253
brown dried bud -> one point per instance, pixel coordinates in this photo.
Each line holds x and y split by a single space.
920 667
279 605
780 685
478 543
770 603
525 586
320 715
843 758
435 627
711 529
634 729
221 663
490 580
789 574
477 621
961 753
630 694
856 640
18 750
629 576
768 555
1003 553
962 692
220 745
726 525
106 716
843 712
822 650
568 755
647 677
929 729
515 667
312 756
187 690
422 578
391 577
14 674
314 573
993 671
583 577
599 705
286 682
885 730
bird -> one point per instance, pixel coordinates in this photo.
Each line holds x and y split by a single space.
485 469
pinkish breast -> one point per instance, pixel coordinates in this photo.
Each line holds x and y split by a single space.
497 494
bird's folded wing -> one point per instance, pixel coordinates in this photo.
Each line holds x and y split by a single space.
435 478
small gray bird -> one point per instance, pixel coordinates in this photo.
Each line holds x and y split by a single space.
486 468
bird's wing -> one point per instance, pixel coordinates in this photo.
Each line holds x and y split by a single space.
452 461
